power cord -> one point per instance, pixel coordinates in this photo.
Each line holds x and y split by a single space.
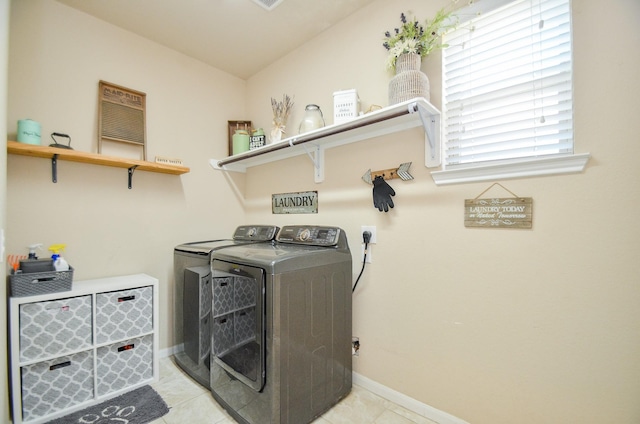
366 237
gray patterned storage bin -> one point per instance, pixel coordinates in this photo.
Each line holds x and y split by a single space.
234 300
54 327
222 295
223 338
205 296
124 364
205 338
244 325
56 384
33 283
124 314
244 292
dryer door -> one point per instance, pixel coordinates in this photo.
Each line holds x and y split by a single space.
238 312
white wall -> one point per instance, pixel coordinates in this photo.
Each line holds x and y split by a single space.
57 57
4 53
492 326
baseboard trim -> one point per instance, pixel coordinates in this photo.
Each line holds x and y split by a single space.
405 401
170 351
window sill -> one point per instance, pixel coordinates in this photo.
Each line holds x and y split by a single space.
555 165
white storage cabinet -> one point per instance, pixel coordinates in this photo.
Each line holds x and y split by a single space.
73 349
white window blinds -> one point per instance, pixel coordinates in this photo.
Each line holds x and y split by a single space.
507 84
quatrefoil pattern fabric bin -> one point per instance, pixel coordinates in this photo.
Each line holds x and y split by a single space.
234 300
205 318
124 314
54 327
124 364
205 296
56 384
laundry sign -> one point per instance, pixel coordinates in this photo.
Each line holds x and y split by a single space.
293 203
499 212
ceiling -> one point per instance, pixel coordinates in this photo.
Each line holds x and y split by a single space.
239 37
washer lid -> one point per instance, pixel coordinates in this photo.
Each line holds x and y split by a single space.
243 235
205 247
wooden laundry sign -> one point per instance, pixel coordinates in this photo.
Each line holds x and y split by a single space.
510 212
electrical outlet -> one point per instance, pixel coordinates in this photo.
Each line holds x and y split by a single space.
355 346
372 230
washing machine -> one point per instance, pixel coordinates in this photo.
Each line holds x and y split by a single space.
281 326
192 296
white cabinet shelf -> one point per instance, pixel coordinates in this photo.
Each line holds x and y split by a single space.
402 116
73 349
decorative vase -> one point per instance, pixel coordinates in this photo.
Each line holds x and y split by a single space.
409 81
276 133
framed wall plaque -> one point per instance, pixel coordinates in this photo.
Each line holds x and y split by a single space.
507 212
122 114
499 212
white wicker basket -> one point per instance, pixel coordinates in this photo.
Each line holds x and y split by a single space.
409 81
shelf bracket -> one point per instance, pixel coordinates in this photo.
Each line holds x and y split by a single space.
54 168
130 175
317 157
431 124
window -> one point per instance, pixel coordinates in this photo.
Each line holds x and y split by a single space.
507 94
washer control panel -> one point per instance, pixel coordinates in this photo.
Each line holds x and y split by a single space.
255 232
311 235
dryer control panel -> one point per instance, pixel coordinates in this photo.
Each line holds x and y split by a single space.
255 232
310 235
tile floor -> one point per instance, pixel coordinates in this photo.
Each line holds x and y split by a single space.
191 403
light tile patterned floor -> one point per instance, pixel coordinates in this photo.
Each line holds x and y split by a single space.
190 403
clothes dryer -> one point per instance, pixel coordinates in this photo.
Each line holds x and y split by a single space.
281 326
192 296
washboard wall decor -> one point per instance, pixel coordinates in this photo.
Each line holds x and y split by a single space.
122 116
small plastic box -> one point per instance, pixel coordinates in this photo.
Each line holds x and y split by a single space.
37 265
346 106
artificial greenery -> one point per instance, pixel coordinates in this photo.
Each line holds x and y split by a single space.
415 37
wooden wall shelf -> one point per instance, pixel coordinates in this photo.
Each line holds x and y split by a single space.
56 153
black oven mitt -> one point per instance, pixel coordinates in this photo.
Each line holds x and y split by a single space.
382 193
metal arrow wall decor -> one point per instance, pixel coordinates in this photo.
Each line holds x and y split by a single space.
401 172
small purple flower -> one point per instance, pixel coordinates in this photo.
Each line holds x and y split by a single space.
403 18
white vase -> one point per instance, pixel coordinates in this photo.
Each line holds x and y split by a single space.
409 81
276 134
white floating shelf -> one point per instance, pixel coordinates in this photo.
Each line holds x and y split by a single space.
399 117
